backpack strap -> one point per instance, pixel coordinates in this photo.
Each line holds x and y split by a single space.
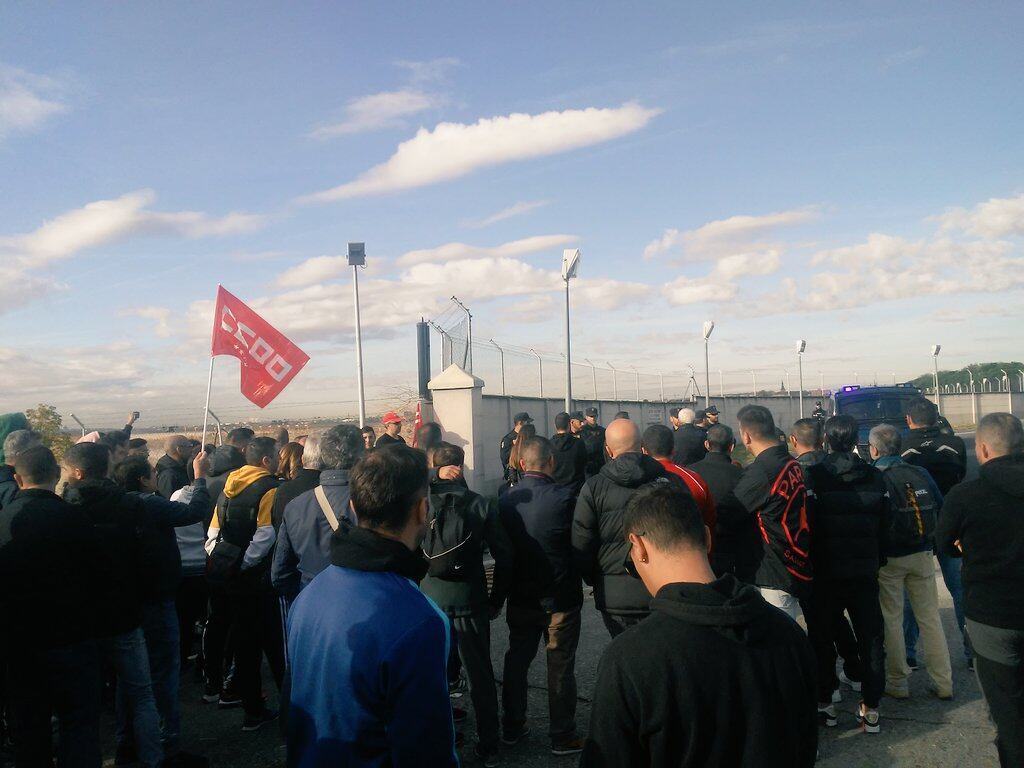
325 505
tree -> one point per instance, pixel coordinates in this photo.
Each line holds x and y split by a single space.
990 371
45 420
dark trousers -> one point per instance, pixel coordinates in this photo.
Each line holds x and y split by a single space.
272 634
999 663
474 640
616 624
846 646
561 633
191 604
64 682
858 597
235 623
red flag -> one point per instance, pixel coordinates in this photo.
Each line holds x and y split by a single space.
417 424
269 360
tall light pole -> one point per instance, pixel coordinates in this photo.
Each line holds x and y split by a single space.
894 378
357 259
593 372
935 359
661 383
801 345
570 266
636 377
821 389
615 383
469 333
753 375
709 326
721 384
501 362
540 365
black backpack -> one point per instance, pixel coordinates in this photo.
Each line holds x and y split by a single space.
237 517
913 507
449 544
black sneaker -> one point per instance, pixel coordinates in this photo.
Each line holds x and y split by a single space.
571 747
869 720
487 757
228 700
257 721
459 715
511 738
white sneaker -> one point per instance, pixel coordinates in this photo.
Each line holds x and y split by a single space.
852 683
869 719
827 716
837 696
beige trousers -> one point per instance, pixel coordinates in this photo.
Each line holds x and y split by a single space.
916 573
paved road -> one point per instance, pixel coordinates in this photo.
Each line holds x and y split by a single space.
919 732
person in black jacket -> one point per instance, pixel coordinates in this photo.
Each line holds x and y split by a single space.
598 543
505 447
850 505
714 676
931 445
805 441
225 460
570 456
689 440
121 524
307 478
47 553
544 597
981 519
592 435
773 493
737 541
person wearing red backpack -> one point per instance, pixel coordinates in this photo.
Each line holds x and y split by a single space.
772 491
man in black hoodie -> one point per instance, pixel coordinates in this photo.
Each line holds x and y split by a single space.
850 505
983 519
570 456
124 578
599 546
225 460
47 553
714 676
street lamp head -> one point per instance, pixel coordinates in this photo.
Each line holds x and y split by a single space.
709 326
936 349
570 263
801 345
357 254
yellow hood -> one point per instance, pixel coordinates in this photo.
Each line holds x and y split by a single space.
242 478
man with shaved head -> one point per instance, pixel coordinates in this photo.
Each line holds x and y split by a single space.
982 520
170 469
599 545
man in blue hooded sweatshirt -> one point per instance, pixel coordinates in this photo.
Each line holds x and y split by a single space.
367 649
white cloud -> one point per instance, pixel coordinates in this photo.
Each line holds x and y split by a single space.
161 317
720 284
26 100
725 236
433 71
378 110
461 251
452 150
106 221
517 209
318 269
996 217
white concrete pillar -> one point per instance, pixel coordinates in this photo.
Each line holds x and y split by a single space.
458 408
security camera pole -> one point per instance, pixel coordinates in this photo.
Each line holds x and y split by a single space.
709 326
801 345
935 358
357 259
570 266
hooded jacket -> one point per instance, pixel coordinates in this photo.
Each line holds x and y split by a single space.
47 560
986 516
225 460
170 476
714 676
259 542
537 515
850 507
598 539
570 461
689 445
368 655
469 595
943 455
304 538
128 570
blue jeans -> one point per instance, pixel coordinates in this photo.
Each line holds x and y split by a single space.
950 567
163 642
135 702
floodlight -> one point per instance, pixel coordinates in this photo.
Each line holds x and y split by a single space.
801 345
936 349
709 326
570 263
357 254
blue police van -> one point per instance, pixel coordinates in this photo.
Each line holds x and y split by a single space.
872 406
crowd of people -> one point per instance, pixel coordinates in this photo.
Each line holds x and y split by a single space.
742 603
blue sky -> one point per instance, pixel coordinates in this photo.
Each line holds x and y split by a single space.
846 173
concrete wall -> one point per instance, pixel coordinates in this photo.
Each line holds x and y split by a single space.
964 410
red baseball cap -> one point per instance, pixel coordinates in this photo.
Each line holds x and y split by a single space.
391 418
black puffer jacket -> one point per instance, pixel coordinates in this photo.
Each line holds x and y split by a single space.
570 461
598 541
944 456
849 506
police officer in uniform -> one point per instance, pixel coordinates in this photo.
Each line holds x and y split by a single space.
505 450
592 435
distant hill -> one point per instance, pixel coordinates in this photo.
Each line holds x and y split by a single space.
990 371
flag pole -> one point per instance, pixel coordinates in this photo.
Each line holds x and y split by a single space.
206 413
